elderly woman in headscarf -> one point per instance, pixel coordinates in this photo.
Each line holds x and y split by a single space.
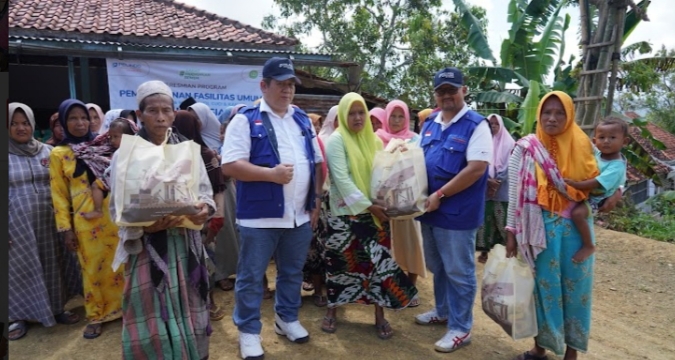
37 285
94 240
57 130
377 116
406 235
109 117
493 229
540 228
96 115
210 125
359 265
166 301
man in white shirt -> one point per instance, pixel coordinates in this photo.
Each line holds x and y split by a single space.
272 152
457 145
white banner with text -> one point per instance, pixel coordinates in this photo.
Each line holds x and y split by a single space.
217 85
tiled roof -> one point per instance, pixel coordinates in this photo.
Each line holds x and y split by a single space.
668 139
138 18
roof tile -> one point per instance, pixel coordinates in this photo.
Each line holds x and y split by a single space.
162 18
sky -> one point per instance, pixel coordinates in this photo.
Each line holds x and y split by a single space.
658 31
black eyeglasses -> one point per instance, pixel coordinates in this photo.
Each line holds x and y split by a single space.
447 91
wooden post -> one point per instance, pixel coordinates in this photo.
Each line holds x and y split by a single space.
71 78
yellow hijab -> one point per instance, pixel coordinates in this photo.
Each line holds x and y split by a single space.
361 147
572 152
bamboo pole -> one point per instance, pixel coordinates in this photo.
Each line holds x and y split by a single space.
616 58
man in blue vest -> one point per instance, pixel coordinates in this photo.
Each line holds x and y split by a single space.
272 151
457 147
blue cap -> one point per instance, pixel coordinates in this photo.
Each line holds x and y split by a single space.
279 69
449 76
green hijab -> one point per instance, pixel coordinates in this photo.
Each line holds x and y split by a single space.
361 146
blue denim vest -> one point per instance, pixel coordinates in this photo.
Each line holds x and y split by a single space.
262 199
445 157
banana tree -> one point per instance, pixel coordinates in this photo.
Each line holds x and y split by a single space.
523 61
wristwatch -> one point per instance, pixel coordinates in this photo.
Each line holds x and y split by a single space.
440 194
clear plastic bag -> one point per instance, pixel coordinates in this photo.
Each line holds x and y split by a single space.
399 180
507 294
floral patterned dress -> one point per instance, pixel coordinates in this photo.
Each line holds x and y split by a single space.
97 238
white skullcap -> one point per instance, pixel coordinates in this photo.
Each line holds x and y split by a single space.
153 87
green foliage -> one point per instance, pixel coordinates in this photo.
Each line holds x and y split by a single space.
400 44
659 224
649 83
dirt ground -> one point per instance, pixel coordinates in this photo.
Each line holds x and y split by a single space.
633 318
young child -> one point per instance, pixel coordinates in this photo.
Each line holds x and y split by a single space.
98 188
611 135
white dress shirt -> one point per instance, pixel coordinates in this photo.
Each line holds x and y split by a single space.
237 146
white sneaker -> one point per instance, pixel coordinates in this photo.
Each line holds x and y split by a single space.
452 341
249 345
292 330
430 317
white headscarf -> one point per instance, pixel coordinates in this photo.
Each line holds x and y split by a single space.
108 118
210 125
328 124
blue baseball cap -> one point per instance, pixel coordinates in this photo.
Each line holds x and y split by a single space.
449 76
279 69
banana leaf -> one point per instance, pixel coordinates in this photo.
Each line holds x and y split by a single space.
477 39
527 116
632 19
497 97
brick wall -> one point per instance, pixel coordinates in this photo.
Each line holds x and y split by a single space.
319 104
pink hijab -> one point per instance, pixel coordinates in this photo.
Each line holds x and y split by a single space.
502 144
379 114
384 133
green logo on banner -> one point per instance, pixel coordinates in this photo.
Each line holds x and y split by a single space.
253 74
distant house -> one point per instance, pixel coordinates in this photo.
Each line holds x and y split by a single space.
639 185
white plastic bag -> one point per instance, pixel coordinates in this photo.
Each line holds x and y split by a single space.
154 181
399 180
507 294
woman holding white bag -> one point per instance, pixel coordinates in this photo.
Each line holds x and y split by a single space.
406 235
165 303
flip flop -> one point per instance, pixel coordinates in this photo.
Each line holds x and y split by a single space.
528 356
67 318
98 328
382 329
21 327
331 327
415 302
307 286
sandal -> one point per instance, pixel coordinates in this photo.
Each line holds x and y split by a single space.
528 356
67 318
92 331
329 324
320 300
226 284
20 328
382 330
216 313
415 302
307 286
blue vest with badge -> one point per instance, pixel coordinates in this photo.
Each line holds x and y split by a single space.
445 157
263 199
